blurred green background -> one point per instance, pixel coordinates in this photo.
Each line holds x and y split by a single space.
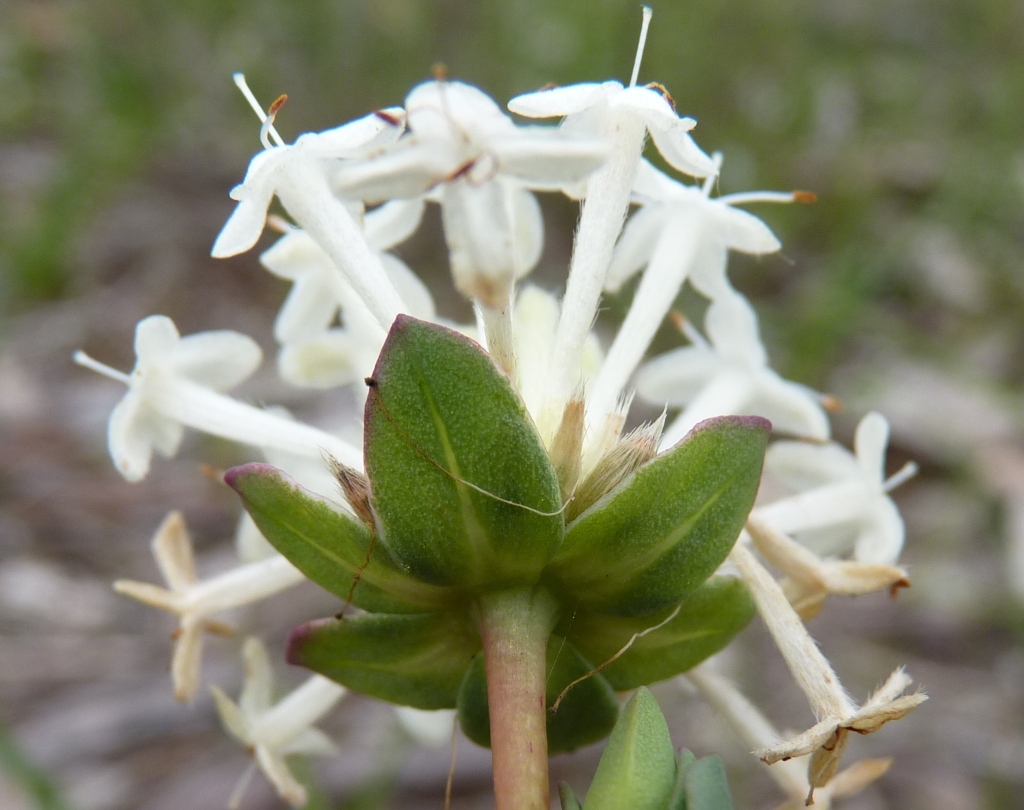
902 288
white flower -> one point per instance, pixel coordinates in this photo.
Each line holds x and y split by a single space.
836 713
429 728
729 376
195 602
534 322
297 175
757 732
623 116
481 163
811 578
843 498
176 382
679 233
313 354
274 730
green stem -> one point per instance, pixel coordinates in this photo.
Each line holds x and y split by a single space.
515 626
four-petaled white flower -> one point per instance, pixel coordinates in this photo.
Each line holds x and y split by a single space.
680 232
810 578
195 602
623 116
314 354
757 732
177 382
729 375
481 164
835 711
298 176
843 498
272 731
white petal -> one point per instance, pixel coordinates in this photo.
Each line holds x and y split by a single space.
219 359
801 466
246 222
258 686
310 741
278 774
310 308
479 235
172 549
441 109
547 158
654 185
881 539
392 223
650 105
187 658
356 137
527 229
419 301
678 148
155 338
708 275
430 728
635 245
827 506
731 326
407 170
559 101
790 407
534 320
870 443
675 378
130 445
740 230
294 255
230 715
332 359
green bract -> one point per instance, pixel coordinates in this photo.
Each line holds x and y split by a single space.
442 424
465 502
639 769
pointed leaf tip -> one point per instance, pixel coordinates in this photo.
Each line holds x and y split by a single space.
658 536
638 767
463 489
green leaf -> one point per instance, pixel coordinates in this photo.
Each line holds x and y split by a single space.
707 787
707 621
638 767
411 660
677 801
458 472
585 715
330 548
656 538
566 798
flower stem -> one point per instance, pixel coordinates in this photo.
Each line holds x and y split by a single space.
515 626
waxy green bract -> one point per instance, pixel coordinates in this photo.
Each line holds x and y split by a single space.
466 502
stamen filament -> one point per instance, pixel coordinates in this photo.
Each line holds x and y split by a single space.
709 181
647 13
745 197
84 360
268 125
904 474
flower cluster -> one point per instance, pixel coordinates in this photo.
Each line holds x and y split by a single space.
355 192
